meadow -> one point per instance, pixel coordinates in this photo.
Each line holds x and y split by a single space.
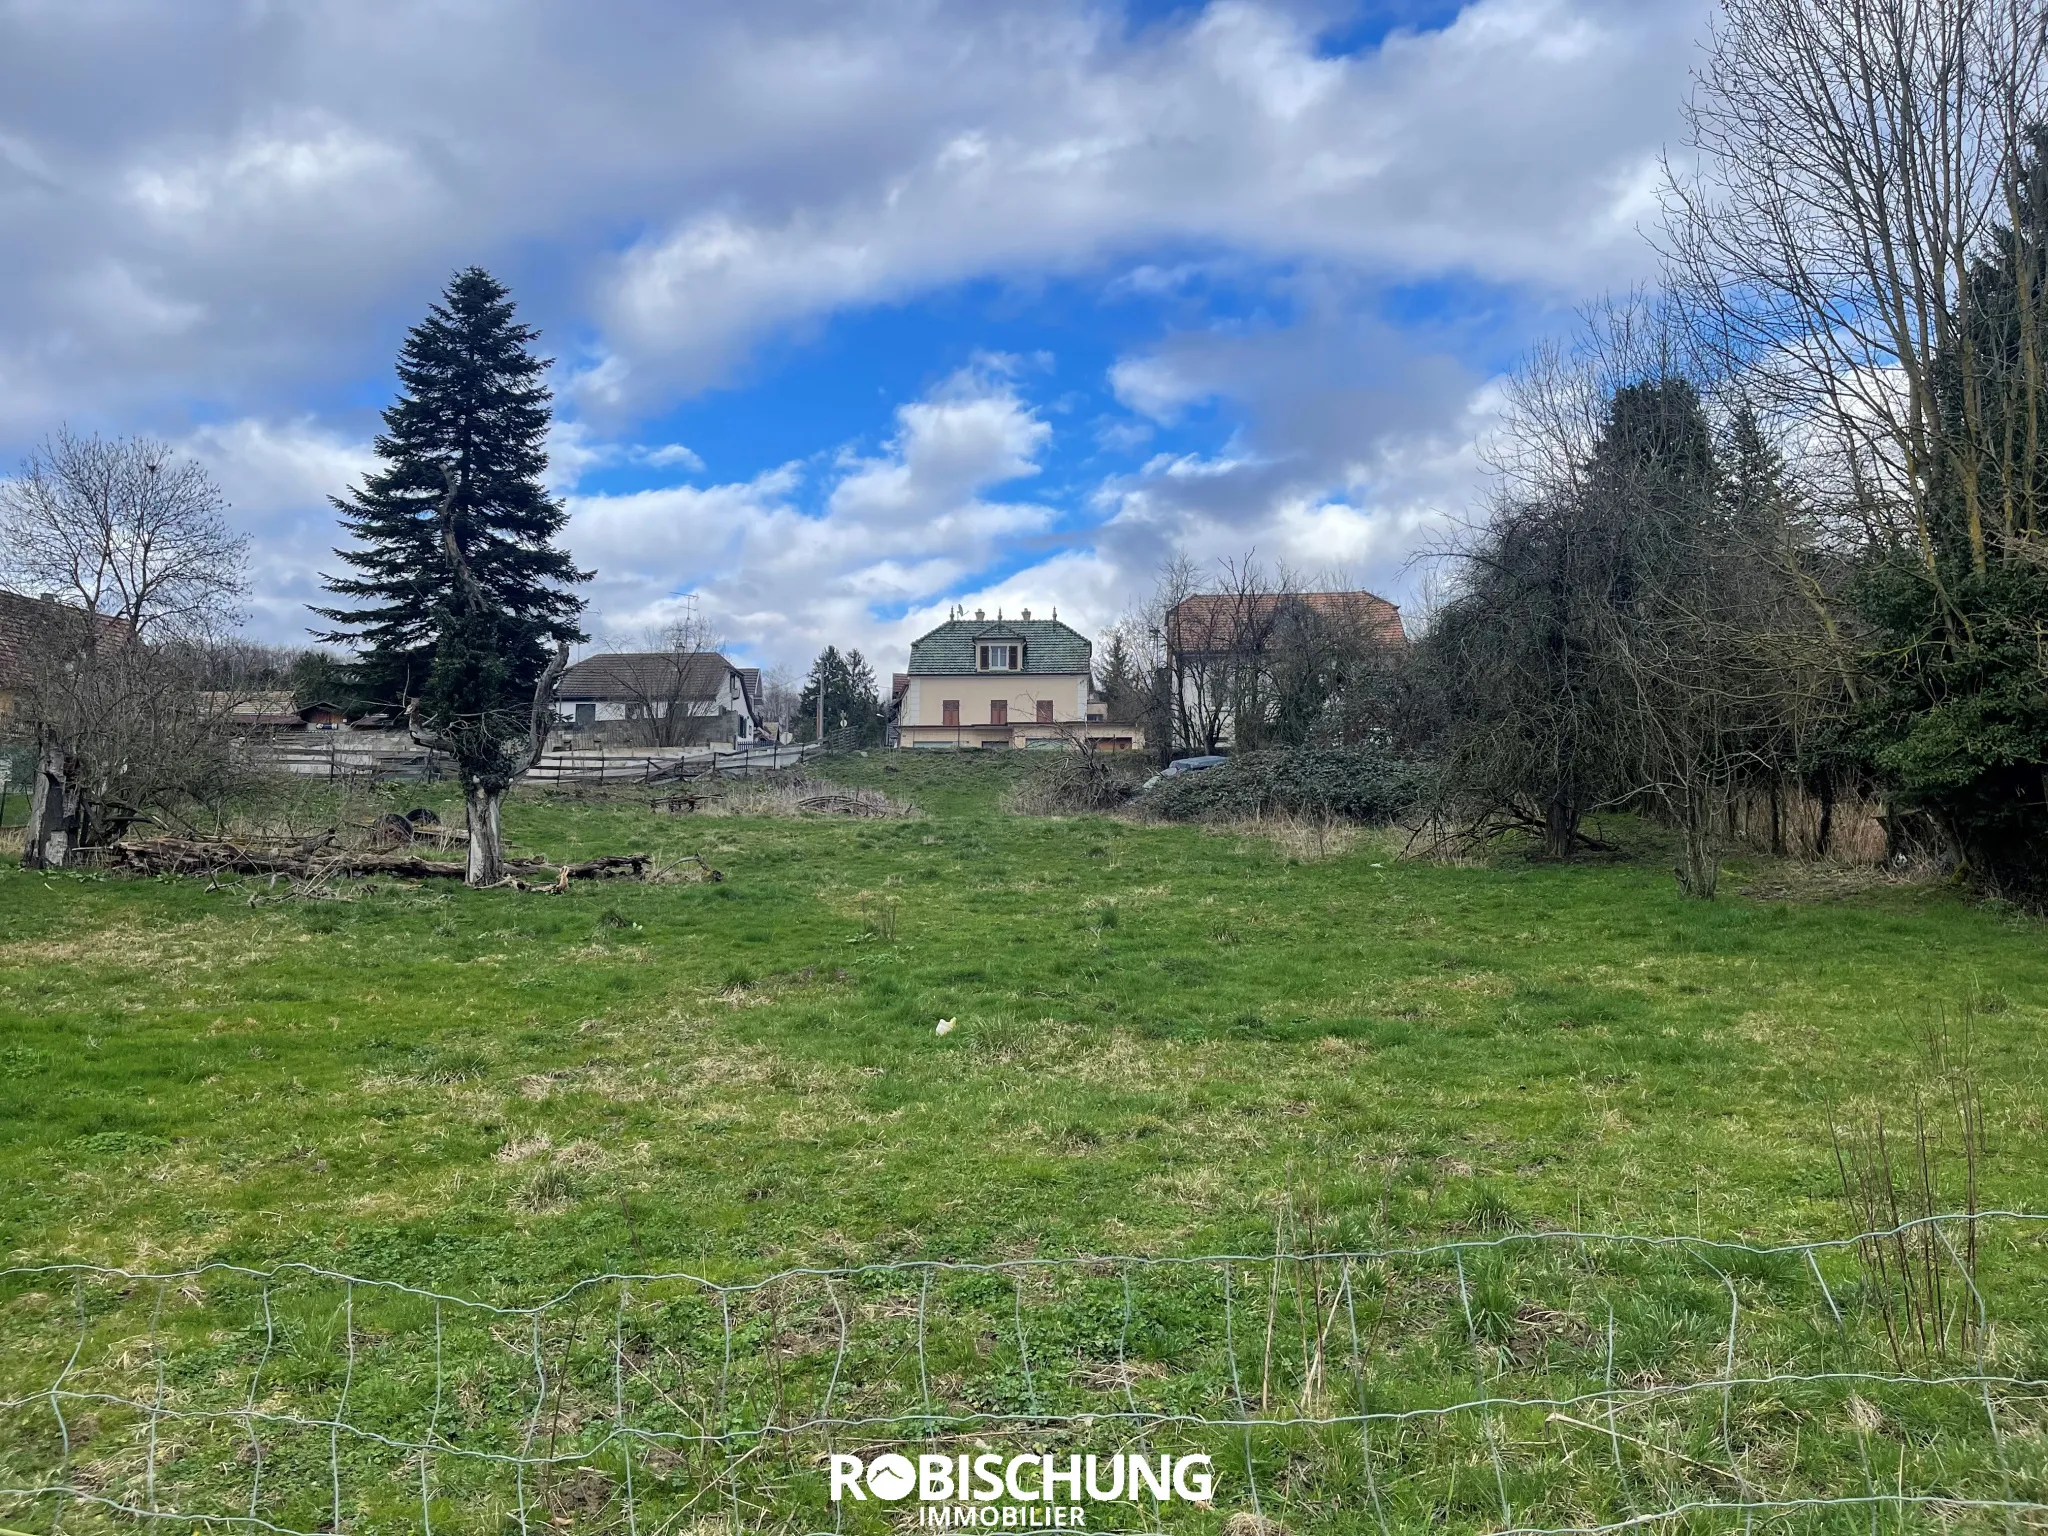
1166 1041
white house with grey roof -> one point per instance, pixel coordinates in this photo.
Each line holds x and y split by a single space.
1000 682
660 699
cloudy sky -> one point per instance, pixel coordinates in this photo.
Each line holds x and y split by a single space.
859 309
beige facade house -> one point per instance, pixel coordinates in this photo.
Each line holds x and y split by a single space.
1022 682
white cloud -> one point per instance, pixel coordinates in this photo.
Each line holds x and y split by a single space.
266 466
669 456
902 526
1515 144
237 209
260 176
1342 471
283 182
574 450
277 478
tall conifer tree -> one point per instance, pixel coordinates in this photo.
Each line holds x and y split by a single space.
463 609
853 705
473 407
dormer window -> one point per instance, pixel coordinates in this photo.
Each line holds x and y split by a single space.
1002 658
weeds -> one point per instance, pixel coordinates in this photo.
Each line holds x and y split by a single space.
1922 1284
878 918
797 796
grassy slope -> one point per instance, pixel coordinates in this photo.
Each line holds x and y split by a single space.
1161 1031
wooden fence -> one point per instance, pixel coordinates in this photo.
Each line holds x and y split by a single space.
668 763
342 757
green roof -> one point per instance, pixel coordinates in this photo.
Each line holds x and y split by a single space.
1049 646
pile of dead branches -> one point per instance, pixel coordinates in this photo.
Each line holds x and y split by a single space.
784 795
317 860
856 803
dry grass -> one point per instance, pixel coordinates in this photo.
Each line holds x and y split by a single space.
1856 833
1841 878
803 797
1305 839
1311 839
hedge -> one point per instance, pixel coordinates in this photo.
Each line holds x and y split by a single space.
1348 783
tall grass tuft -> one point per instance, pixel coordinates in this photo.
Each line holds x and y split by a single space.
1896 1178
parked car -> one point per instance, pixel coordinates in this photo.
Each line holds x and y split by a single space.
1181 765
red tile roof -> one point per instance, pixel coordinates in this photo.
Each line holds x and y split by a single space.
1213 621
25 625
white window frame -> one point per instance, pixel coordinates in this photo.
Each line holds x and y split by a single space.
1013 652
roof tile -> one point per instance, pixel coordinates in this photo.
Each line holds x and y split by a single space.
1211 621
1050 647
630 675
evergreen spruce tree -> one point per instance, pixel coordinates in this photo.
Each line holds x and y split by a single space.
853 707
1121 681
461 608
472 406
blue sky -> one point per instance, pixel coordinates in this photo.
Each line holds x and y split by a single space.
859 310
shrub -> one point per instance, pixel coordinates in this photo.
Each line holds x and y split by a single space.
1071 783
1347 783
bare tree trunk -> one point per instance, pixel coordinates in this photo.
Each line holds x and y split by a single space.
55 811
489 757
486 864
1560 827
1826 835
1777 819
1700 875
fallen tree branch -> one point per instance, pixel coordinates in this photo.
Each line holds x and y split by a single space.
830 803
216 857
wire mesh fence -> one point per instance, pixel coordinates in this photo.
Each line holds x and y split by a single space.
1527 1382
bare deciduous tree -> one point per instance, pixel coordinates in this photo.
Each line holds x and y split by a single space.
141 572
124 529
1628 633
780 690
1856 158
1865 240
681 668
1215 632
1253 658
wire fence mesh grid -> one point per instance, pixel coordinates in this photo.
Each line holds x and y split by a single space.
1536 1383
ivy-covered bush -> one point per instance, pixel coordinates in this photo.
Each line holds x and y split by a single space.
1346 783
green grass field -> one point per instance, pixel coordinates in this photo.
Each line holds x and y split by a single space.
1168 1041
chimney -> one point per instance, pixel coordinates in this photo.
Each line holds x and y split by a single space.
980 614
1026 613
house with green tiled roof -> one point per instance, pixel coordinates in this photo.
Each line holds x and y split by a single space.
1002 682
